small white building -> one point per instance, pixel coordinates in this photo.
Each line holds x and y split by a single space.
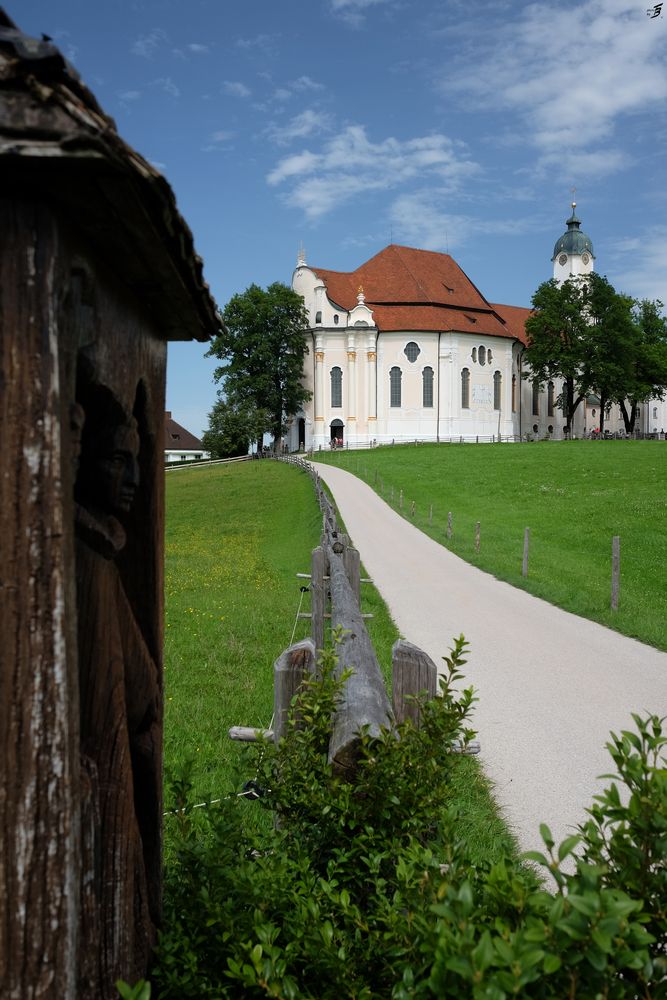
406 347
179 444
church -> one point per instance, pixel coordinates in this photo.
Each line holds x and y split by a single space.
407 348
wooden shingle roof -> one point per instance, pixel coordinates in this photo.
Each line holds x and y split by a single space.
57 145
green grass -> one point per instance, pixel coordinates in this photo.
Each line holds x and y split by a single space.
236 537
574 496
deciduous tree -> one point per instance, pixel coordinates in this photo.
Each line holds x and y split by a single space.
559 335
649 362
233 427
262 348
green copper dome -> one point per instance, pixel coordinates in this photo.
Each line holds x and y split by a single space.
573 241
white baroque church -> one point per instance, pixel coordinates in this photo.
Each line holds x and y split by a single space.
407 348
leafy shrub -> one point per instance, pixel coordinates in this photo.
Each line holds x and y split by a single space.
364 890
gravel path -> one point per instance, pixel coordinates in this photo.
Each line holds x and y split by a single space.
551 686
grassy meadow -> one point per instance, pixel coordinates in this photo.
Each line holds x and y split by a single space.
573 495
236 536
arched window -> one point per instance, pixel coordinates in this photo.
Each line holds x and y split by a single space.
411 351
395 386
427 387
481 354
336 388
465 389
489 355
550 399
474 355
318 317
536 399
513 393
497 386
335 319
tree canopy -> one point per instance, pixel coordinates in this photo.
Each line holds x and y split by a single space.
262 348
233 427
598 341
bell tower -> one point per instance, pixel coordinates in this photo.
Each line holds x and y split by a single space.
573 253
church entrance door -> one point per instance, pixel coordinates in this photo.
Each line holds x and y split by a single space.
336 430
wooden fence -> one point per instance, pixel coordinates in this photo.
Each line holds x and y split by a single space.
335 587
397 499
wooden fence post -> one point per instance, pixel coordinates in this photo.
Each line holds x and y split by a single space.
412 673
289 670
318 591
526 546
412 508
353 570
477 536
615 571
364 702
449 524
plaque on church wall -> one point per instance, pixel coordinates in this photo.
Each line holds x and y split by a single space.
482 394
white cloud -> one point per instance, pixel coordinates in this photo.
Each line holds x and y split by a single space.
307 123
233 88
350 165
129 95
571 72
352 11
198 49
639 264
305 83
166 84
422 219
221 136
146 45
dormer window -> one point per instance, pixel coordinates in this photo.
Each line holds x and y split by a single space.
411 351
318 317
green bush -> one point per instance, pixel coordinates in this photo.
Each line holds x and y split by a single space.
364 890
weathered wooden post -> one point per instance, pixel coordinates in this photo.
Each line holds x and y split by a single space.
615 571
449 524
97 273
412 508
352 563
318 592
289 671
477 536
413 673
526 546
365 702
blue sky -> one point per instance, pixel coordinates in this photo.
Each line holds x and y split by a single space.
344 125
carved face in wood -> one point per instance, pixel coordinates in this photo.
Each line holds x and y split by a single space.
108 476
116 477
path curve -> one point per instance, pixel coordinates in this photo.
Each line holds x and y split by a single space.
551 686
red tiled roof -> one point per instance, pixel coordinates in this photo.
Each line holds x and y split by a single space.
410 289
515 318
176 437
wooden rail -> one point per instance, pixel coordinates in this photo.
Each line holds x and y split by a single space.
365 706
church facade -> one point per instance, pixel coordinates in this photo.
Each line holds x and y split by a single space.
407 348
